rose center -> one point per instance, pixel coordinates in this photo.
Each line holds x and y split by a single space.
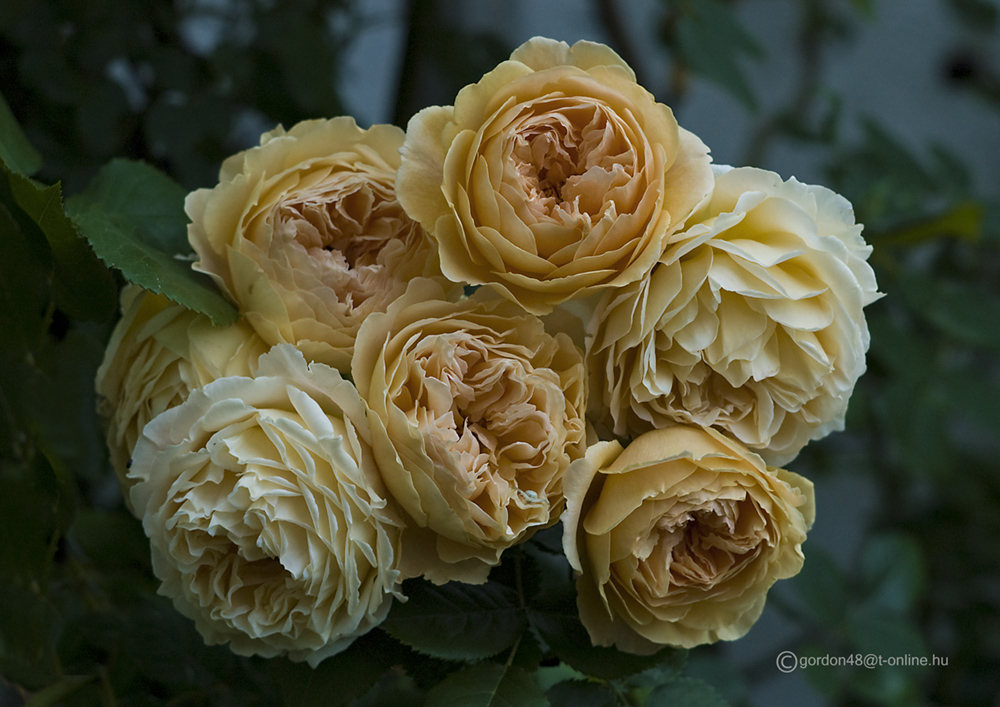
482 410
567 159
355 222
710 543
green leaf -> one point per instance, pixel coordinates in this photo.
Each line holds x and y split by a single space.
23 274
396 688
141 198
892 571
457 621
581 693
487 685
134 218
119 246
554 615
685 691
83 288
15 151
338 679
529 653
711 40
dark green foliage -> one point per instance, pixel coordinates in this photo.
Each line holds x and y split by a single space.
169 83
555 617
133 216
457 621
113 111
487 685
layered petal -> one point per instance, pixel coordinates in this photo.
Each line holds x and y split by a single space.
554 176
752 321
677 538
476 413
268 521
306 236
158 353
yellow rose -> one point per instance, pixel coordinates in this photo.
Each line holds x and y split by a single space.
158 353
476 412
305 234
751 322
554 176
677 538
267 519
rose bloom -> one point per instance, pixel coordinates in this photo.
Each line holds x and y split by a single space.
476 412
305 234
158 353
751 322
554 176
267 519
677 538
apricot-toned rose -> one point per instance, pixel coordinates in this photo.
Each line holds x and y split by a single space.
553 176
476 412
677 538
752 321
305 234
158 353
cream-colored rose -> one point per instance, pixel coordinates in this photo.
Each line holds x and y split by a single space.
554 176
476 412
305 234
751 322
677 538
267 518
158 353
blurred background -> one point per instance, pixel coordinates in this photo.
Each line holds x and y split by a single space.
893 103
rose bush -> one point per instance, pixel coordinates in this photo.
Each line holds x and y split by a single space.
752 321
306 235
268 521
677 538
553 176
158 353
476 413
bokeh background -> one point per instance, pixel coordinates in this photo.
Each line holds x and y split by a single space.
893 103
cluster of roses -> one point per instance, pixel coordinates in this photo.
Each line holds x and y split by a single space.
373 416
